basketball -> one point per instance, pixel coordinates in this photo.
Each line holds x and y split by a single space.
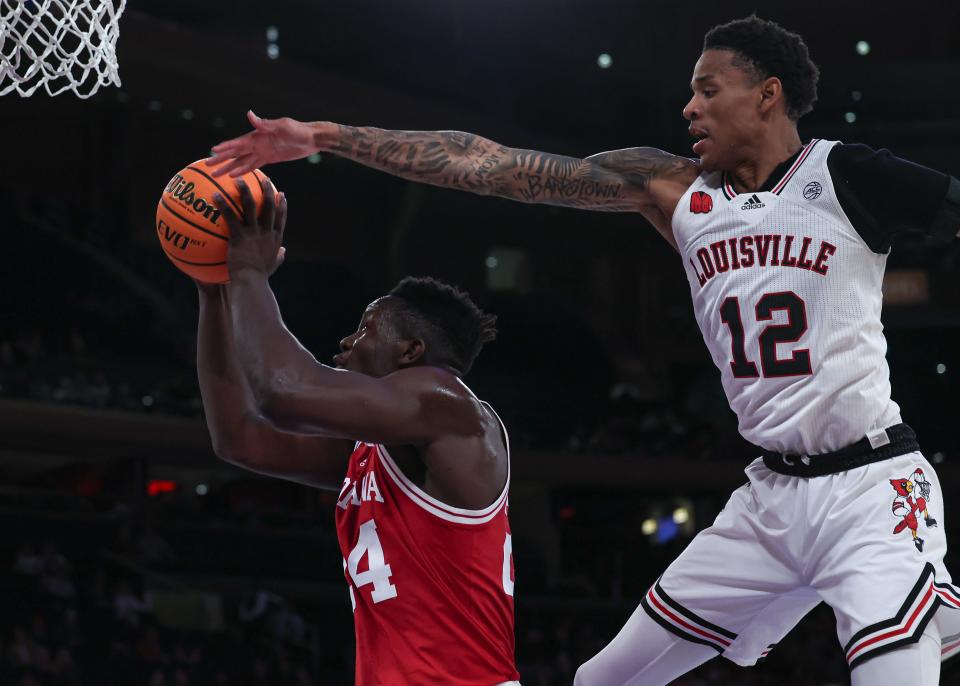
190 227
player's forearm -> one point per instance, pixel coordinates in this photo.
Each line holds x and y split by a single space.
227 402
453 159
271 357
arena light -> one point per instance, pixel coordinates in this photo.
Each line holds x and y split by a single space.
856 96
187 114
272 34
491 262
157 486
681 515
863 48
201 489
667 530
273 51
941 368
850 117
314 158
649 527
604 61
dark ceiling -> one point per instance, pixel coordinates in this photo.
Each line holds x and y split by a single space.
533 63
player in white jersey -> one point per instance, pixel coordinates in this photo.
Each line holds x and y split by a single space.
784 245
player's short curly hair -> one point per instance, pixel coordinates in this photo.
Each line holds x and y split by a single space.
445 318
767 49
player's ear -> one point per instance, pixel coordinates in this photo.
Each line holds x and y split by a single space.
412 350
771 92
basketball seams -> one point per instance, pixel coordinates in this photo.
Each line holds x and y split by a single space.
187 221
223 191
193 264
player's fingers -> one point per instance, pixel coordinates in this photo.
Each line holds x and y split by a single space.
217 163
280 223
247 202
281 255
269 210
253 119
227 164
243 164
231 145
233 221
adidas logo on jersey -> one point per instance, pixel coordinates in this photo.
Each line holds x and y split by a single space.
752 203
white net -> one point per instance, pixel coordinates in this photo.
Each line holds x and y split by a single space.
59 45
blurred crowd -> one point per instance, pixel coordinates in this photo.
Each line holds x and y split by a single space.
113 599
80 621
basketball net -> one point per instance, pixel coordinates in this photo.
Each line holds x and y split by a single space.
59 44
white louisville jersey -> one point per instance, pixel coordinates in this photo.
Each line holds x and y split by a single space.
788 298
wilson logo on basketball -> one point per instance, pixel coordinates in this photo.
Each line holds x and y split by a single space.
700 202
183 190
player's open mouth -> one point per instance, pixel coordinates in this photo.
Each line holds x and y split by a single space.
701 136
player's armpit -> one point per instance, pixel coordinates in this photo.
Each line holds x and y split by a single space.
412 406
307 458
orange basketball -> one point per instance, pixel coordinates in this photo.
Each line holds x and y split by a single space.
190 227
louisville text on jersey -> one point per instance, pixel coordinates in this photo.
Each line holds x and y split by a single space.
761 250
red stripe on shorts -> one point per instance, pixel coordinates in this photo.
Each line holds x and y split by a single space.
679 621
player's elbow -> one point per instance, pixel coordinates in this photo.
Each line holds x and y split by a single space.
232 451
238 443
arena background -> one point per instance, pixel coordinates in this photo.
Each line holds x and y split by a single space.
131 555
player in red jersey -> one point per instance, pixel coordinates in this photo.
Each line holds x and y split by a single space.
421 464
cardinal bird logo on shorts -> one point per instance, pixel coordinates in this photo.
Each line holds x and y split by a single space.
913 494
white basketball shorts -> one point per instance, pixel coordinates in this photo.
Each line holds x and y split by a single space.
868 541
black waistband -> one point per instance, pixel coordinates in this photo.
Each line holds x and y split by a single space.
896 440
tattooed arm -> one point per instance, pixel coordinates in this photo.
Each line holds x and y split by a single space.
617 181
453 159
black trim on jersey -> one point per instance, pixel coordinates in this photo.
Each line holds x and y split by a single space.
780 171
679 609
884 195
723 187
804 153
778 177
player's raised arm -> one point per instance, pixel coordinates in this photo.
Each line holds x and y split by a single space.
618 181
291 389
239 433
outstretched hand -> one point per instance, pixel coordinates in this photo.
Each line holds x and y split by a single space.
272 140
256 241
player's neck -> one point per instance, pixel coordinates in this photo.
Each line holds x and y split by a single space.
765 156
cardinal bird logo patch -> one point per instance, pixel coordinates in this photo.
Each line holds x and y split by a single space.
700 202
913 496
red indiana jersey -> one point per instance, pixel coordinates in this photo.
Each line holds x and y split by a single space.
431 585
